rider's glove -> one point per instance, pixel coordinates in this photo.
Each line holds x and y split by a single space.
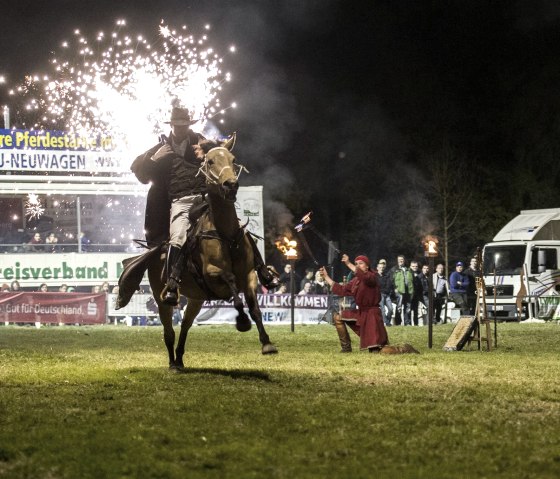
164 151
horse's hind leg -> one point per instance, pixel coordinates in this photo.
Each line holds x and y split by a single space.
191 311
256 315
166 318
165 312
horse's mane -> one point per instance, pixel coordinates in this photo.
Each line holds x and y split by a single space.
207 145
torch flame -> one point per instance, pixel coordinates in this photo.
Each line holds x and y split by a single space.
431 246
288 247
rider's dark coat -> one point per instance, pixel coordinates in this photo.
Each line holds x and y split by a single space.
171 177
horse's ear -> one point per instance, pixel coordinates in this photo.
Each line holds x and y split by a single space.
230 142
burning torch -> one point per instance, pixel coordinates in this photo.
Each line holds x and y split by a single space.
289 248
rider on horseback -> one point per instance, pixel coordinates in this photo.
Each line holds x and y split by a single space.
172 167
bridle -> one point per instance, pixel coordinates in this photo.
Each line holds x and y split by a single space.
213 178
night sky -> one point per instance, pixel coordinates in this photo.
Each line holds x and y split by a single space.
341 102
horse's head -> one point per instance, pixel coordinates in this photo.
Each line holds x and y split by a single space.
220 169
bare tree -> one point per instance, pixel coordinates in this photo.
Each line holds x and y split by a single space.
451 187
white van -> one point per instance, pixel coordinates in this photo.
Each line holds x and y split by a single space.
520 266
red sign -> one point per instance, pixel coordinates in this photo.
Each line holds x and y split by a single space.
70 308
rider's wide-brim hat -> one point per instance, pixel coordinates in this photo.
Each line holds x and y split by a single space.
181 117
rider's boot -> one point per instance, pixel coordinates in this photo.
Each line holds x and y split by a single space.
173 272
343 336
267 276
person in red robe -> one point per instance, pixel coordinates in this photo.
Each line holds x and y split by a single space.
366 321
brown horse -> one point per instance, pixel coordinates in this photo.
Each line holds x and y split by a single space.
226 259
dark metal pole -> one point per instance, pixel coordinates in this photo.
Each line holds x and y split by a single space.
292 292
495 315
430 300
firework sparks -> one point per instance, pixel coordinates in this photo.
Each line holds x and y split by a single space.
123 86
33 206
119 87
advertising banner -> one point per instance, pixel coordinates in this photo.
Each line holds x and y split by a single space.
65 308
275 308
56 151
73 269
76 269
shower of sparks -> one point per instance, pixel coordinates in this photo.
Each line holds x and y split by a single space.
123 86
33 206
120 86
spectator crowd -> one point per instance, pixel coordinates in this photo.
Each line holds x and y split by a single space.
405 289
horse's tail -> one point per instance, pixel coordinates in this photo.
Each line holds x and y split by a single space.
131 277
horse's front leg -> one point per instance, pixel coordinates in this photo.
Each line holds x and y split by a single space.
242 322
256 315
191 311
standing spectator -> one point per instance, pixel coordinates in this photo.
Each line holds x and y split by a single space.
425 278
417 295
306 288
458 286
15 286
51 242
35 244
309 275
5 288
472 272
105 287
404 290
84 242
366 321
420 290
425 284
43 288
387 288
319 286
96 289
441 291
282 289
285 277
63 288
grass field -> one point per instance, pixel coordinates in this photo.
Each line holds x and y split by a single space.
99 402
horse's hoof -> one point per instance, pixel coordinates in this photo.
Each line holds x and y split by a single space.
269 349
243 324
176 368
243 327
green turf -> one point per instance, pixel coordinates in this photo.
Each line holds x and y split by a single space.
99 402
